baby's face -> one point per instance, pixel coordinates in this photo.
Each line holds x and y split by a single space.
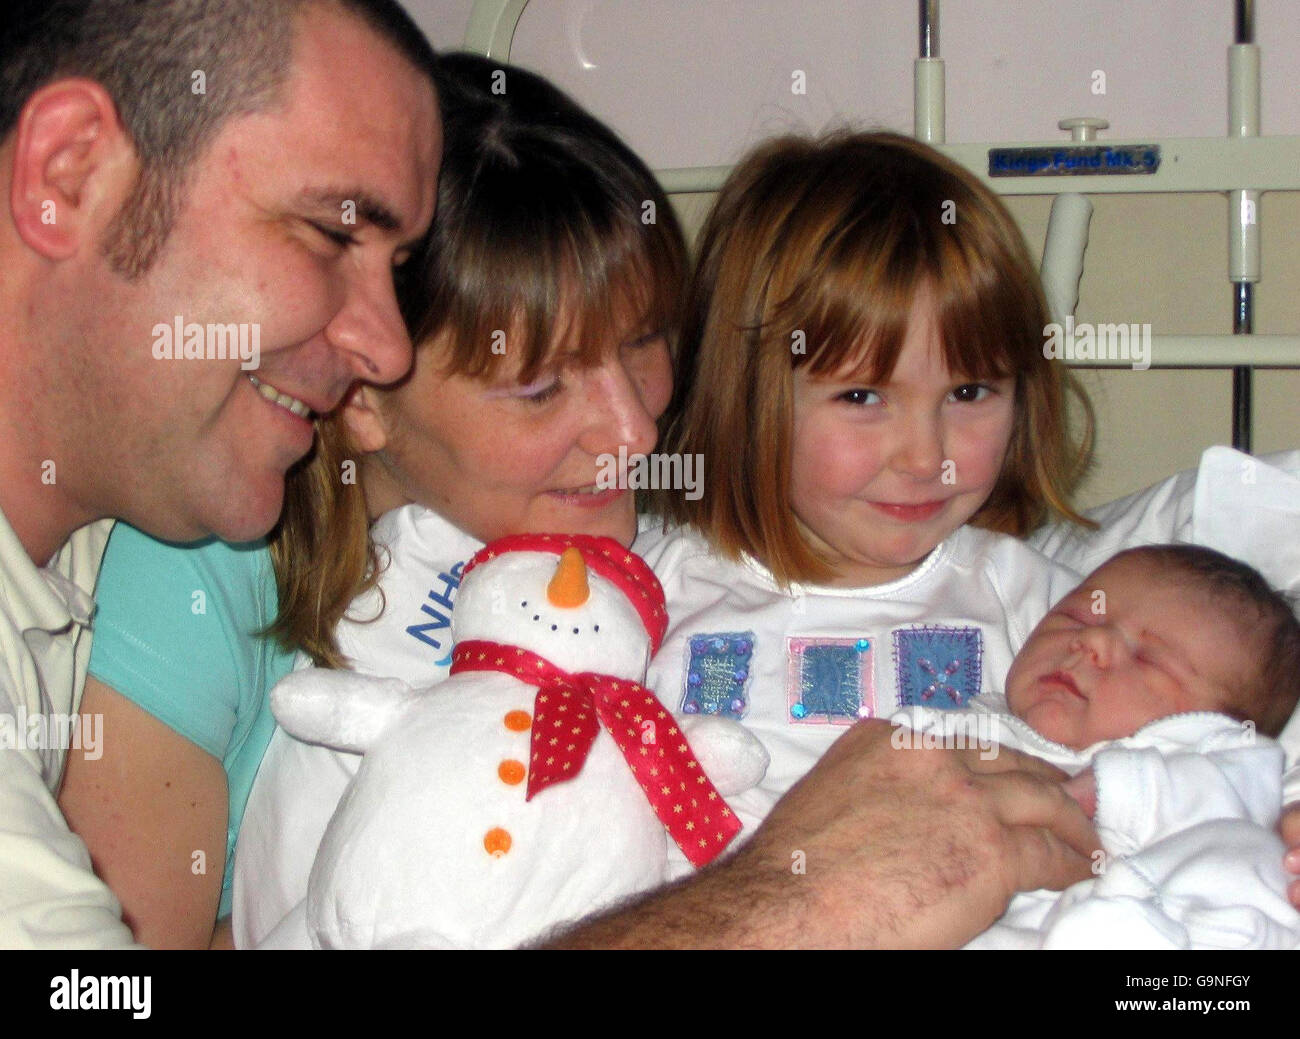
1100 666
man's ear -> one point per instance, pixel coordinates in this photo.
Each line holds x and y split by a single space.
72 158
361 417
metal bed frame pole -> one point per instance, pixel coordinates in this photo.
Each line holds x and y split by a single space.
1243 212
928 102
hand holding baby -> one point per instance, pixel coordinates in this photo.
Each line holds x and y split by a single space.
953 839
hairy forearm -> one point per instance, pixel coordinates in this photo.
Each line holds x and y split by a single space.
874 848
743 903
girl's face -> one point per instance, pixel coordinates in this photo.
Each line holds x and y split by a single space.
497 458
882 474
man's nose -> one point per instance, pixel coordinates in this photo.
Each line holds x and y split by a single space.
368 329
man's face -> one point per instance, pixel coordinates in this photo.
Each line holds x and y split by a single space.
291 221
1128 646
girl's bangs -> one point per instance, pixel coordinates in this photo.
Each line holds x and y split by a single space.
857 314
990 311
855 329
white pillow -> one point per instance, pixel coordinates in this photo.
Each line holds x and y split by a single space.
1245 507
1249 508
1158 514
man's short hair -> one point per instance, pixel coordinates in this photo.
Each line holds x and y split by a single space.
1263 618
177 71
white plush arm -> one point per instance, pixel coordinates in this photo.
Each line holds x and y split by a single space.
732 757
339 709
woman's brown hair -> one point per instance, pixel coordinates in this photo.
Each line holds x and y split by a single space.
549 231
812 257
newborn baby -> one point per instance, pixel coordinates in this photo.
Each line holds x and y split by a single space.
1158 683
1154 632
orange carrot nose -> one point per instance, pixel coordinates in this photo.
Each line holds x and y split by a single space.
568 588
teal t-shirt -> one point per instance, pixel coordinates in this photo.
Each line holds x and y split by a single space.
176 632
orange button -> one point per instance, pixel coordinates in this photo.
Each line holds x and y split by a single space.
511 772
518 721
497 841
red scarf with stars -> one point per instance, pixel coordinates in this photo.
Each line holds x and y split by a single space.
567 714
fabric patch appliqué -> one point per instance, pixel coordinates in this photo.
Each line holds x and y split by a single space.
717 673
938 666
829 681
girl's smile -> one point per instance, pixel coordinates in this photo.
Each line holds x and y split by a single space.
907 512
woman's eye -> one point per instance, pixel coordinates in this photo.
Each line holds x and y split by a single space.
540 393
860 397
971 392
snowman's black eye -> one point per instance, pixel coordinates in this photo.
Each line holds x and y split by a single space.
575 631
555 627
597 627
522 605
537 616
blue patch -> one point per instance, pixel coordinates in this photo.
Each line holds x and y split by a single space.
829 681
717 673
937 666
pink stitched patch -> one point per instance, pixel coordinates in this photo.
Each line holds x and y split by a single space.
830 681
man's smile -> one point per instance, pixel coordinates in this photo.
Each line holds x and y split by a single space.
290 404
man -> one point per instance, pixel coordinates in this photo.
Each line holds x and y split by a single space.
158 175
178 165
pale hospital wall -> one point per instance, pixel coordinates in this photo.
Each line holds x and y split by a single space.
696 82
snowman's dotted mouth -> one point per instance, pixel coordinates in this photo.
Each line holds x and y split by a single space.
537 617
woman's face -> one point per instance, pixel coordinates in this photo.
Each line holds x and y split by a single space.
495 457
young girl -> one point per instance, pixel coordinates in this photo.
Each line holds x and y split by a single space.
542 316
863 376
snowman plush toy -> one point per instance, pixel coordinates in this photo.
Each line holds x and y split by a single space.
537 784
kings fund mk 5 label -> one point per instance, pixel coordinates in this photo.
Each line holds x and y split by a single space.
1072 160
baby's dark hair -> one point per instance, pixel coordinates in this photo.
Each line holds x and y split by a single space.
1262 616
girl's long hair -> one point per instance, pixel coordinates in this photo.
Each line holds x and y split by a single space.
812 258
